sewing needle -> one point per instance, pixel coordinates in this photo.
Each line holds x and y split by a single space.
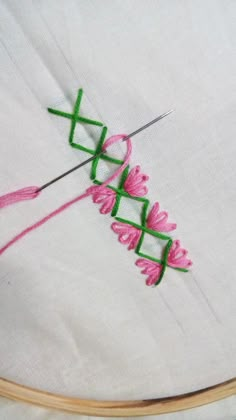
102 152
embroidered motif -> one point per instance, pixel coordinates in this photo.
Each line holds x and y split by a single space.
132 185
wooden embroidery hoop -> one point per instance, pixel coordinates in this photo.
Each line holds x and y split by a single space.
17 392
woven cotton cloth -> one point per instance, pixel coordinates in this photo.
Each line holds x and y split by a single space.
75 314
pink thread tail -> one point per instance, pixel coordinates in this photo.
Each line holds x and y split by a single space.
33 192
28 193
42 221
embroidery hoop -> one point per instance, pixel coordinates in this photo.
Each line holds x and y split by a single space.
18 392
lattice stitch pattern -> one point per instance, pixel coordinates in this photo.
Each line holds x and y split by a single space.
132 186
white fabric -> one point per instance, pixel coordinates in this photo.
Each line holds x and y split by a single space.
75 314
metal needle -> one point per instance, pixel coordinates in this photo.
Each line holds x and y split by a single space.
102 152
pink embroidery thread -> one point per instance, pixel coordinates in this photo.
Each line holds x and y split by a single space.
42 221
158 220
127 234
177 256
28 193
32 193
135 183
151 269
104 196
108 143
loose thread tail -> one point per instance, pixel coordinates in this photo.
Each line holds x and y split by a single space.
28 193
42 221
33 192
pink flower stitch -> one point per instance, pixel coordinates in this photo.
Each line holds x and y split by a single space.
177 256
127 234
104 196
151 268
134 183
158 220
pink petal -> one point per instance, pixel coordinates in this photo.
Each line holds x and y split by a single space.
158 220
127 234
108 205
151 268
177 257
151 280
104 196
135 183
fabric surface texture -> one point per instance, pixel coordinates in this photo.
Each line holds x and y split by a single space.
75 314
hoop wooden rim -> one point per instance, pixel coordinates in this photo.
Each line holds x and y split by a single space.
18 392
